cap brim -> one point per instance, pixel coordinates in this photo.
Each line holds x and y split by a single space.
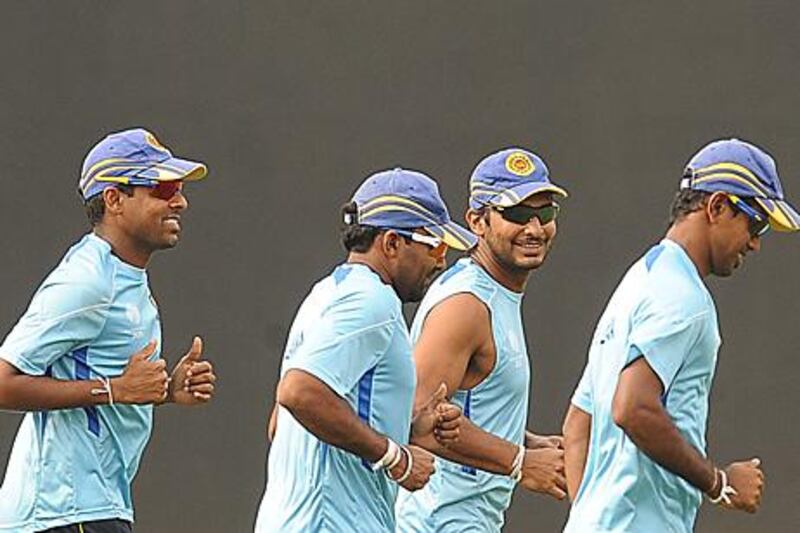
174 168
454 236
782 216
519 193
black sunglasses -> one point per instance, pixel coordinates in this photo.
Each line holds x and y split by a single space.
758 223
522 214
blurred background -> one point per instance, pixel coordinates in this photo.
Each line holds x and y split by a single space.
292 104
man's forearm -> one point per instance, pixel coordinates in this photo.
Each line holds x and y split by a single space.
656 435
330 418
21 392
577 431
476 448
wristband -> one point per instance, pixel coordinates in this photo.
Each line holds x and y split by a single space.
725 492
516 466
105 390
390 458
409 466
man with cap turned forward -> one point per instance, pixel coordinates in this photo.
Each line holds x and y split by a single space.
635 430
85 361
468 334
344 437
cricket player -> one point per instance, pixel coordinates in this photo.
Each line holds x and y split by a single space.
344 436
468 334
635 430
85 361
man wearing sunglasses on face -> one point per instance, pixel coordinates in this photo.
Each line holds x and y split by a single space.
84 361
635 430
468 334
344 438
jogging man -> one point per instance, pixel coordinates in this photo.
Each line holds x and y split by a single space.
85 358
343 425
468 334
635 431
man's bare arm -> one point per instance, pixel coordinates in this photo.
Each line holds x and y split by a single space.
638 410
455 330
331 419
143 382
577 430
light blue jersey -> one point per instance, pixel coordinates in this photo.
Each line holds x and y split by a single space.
350 333
75 465
460 498
661 310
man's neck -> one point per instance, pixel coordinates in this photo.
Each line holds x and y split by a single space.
685 234
510 278
373 263
122 246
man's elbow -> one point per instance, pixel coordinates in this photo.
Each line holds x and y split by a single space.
628 415
293 394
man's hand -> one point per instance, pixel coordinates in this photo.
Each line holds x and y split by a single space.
421 469
747 479
192 380
143 381
439 417
543 471
535 442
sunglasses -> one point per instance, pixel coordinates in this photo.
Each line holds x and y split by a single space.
758 222
437 245
522 214
163 190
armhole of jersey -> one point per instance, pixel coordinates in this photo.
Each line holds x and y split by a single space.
491 328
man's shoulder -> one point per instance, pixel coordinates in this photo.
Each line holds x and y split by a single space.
463 277
84 275
360 294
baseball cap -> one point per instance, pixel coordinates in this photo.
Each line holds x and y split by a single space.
133 157
403 199
507 177
742 169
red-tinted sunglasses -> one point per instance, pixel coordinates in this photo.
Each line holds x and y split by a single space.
163 190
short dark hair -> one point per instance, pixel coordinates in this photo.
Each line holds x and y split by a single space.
356 237
96 205
686 201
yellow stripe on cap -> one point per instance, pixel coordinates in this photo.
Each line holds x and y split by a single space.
736 167
728 171
101 163
728 176
779 219
395 207
394 199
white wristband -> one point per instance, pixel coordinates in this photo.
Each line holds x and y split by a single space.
516 466
105 390
725 492
409 466
390 458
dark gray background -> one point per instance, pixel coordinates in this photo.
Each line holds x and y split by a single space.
293 103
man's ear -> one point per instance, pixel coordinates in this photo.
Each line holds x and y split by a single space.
716 206
390 243
477 221
113 199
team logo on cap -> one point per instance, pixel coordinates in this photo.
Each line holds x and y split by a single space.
520 164
152 141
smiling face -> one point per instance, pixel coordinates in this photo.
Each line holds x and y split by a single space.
731 236
517 246
148 218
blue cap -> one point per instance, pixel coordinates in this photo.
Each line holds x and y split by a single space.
507 177
405 199
133 157
742 169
